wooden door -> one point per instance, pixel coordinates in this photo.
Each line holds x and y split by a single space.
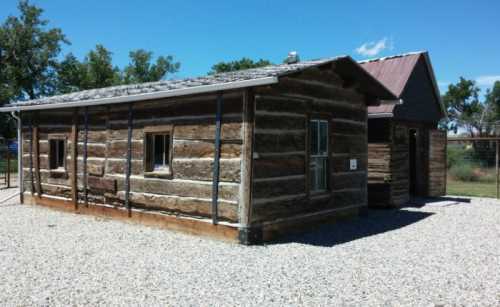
437 162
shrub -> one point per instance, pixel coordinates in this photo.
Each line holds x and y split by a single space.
457 154
464 172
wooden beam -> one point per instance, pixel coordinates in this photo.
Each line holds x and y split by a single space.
129 157
215 182
36 156
32 183
74 159
85 157
245 207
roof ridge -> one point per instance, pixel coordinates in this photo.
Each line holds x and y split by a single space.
393 56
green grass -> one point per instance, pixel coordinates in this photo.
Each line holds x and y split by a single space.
13 166
479 189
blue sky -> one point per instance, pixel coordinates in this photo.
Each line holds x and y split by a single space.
461 36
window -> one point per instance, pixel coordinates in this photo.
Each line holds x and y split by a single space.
157 158
318 155
57 154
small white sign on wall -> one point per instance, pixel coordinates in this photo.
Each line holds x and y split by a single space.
354 164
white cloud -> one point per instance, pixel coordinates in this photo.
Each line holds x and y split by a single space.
374 48
487 80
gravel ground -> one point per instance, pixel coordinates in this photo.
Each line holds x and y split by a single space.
444 253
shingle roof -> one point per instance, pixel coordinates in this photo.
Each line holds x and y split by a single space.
344 66
171 85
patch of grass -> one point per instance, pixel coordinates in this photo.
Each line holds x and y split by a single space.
13 166
479 189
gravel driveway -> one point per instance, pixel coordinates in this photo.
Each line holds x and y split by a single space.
444 253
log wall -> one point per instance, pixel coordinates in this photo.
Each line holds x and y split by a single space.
280 187
189 188
437 163
389 163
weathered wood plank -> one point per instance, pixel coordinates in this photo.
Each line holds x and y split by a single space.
201 169
183 205
279 166
279 142
73 161
204 149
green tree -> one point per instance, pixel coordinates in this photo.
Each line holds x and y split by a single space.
28 55
141 69
493 98
100 70
466 111
243 63
71 75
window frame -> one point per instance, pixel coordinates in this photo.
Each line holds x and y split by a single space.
320 155
59 170
148 157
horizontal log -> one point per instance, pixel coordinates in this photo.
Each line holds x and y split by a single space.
279 142
320 74
229 131
231 105
204 149
316 90
348 144
182 205
292 186
107 185
348 181
120 166
339 165
347 128
277 103
202 169
186 188
119 148
279 166
280 122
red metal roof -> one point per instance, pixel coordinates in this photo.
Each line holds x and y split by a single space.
393 72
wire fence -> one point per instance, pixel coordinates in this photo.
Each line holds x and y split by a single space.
8 163
472 167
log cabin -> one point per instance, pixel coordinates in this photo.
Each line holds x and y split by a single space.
243 156
407 151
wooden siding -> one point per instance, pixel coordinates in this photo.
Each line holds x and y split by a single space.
189 189
389 165
280 171
437 164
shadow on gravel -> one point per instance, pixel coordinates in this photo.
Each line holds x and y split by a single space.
444 201
371 223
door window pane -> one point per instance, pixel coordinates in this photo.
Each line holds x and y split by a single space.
318 165
314 137
57 153
159 150
323 137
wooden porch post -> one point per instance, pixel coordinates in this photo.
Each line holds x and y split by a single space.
85 157
128 170
215 181
247 159
36 154
74 159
